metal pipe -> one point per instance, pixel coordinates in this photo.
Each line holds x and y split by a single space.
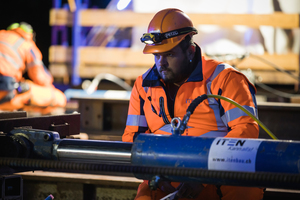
92 151
224 154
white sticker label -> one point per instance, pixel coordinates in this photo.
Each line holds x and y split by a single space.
233 154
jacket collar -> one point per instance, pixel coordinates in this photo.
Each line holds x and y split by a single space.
151 78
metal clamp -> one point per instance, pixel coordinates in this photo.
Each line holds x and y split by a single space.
175 124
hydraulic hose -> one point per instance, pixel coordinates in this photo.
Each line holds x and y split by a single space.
190 111
199 99
95 82
276 92
246 111
257 179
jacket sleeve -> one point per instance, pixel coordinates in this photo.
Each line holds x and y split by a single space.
136 121
237 87
37 72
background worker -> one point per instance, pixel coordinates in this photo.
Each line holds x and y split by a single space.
18 54
181 73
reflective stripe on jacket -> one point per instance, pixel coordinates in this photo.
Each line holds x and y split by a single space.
148 110
18 53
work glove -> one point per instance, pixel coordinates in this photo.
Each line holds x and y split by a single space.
189 190
185 190
166 187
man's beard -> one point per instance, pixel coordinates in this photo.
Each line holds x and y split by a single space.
182 74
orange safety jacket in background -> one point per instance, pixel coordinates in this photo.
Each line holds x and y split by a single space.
19 53
148 113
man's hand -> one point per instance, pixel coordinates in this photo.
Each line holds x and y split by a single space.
189 190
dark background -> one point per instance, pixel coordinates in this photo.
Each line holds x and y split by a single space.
36 13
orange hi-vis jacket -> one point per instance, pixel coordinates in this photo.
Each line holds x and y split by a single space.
148 110
18 53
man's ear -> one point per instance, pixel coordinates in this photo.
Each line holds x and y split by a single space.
191 51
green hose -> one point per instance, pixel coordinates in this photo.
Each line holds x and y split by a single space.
246 111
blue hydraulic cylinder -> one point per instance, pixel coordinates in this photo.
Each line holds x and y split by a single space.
221 154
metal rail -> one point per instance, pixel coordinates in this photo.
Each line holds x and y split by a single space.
92 151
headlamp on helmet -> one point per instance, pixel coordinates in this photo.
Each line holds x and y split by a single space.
150 38
154 38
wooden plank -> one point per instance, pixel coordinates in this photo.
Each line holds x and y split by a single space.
131 73
60 17
93 17
277 19
128 64
122 72
129 57
101 56
59 70
260 62
115 56
295 99
81 178
271 77
60 54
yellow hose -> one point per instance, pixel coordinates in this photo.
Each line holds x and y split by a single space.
246 111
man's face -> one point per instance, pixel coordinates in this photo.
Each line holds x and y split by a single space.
173 65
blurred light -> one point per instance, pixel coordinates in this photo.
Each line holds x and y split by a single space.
122 4
149 42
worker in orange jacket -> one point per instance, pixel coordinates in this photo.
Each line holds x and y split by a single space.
180 74
18 54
